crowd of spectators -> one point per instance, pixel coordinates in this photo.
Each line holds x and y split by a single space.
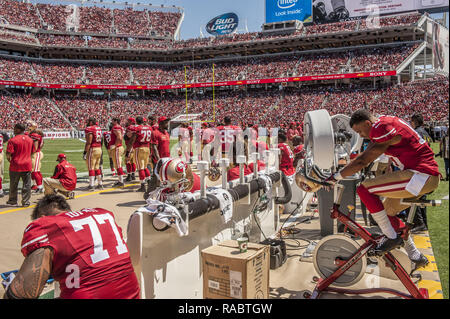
264 67
18 108
89 18
134 22
273 107
18 37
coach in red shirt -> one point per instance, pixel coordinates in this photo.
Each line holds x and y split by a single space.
63 180
18 154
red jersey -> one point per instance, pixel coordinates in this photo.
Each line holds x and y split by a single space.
298 149
287 159
107 136
162 142
208 135
96 135
67 175
143 136
196 185
261 166
233 173
39 138
227 135
116 128
1 143
87 243
412 152
20 147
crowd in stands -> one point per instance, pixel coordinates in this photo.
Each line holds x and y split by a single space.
135 22
267 108
88 18
18 108
279 66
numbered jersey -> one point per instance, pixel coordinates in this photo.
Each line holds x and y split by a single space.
90 256
39 138
143 136
287 159
108 139
228 135
412 152
96 135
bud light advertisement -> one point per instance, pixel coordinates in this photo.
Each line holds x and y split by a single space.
285 10
224 24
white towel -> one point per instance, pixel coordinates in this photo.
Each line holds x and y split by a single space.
416 183
167 214
225 200
268 185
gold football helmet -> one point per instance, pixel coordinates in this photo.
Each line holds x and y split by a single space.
306 180
176 174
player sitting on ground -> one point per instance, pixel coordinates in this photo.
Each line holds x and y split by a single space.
418 175
83 250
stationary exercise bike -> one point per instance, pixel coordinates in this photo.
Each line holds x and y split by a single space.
341 261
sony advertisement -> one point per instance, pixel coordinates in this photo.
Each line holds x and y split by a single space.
285 10
325 11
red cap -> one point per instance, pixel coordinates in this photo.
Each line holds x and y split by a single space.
190 128
204 124
61 156
132 120
162 119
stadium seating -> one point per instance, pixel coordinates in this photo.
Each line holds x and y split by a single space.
269 108
374 59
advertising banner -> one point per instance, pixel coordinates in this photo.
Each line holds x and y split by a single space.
325 11
57 135
285 10
205 85
224 24
440 47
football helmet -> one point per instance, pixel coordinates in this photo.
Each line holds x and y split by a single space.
176 174
308 180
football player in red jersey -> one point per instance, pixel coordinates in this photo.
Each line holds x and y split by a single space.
1 165
117 135
130 162
286 155
93 152
140 143
107 140
228 134
83 250
418 174
36 158
299 151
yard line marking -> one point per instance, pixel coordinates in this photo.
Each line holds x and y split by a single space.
78 196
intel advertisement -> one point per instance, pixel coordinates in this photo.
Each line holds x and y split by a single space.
285 10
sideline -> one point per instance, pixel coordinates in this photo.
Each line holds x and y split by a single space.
78 196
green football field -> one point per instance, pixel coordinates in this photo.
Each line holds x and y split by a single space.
438 218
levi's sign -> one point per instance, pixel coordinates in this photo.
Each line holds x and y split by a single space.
224 24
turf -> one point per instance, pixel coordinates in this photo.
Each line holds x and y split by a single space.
438 218
438 226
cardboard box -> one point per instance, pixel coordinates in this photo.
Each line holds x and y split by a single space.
229 274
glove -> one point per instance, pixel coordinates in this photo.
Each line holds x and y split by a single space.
84 155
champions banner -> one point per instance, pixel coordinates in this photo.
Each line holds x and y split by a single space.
57 135
202 85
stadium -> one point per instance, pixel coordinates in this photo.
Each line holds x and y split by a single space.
65 64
